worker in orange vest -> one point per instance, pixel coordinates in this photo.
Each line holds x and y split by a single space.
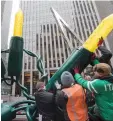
71 99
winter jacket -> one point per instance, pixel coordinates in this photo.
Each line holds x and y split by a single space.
106 55
103 92
45 103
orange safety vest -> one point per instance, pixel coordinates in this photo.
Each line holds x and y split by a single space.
76 105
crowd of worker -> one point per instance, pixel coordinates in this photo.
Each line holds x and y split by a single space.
78 97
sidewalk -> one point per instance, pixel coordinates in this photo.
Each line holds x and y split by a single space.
20 118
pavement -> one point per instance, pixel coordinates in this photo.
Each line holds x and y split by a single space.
20 118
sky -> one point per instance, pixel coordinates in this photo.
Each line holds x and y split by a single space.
15 8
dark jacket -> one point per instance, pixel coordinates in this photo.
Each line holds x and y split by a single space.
106 55
61 101
45 103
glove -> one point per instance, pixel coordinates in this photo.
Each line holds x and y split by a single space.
100 41
76 69
94 60
58 86
93 57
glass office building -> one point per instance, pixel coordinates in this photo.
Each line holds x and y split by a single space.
42 35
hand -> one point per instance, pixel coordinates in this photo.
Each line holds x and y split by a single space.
93 57
87 78
100 41
58 86
76 69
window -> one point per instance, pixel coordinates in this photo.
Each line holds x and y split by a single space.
50 65
82 9
55 28
29 65
58 55
77 44
62 60
52 38
60 41
37 41
44 39
47 27
56 41
62 54
25 65
58 63
54 63
45 64
48 38
49 50
44 30
89 7
33 63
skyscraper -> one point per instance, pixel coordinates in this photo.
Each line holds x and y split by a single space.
105 8
42 35
6 8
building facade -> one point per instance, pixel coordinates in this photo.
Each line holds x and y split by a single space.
2 9
6 8
105 8
42 35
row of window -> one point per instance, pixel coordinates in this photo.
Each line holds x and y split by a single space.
45 64
85 18
48 36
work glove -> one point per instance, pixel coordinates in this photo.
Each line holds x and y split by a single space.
93 57
57 85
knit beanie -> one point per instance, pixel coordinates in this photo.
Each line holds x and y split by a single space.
102 68
67 79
